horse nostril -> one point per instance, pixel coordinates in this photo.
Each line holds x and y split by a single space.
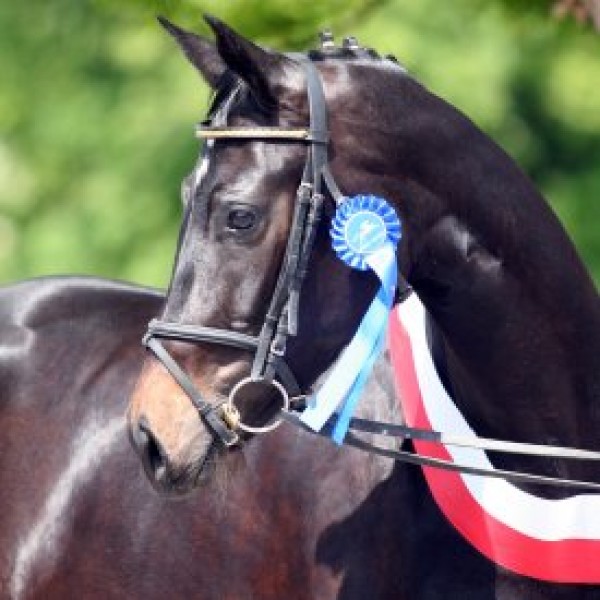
151 449
156 458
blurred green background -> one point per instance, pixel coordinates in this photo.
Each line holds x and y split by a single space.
97 108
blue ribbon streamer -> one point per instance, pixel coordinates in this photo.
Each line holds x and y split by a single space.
360 355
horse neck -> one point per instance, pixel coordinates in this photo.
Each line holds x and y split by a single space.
517 314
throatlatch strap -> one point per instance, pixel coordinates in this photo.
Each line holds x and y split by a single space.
331 185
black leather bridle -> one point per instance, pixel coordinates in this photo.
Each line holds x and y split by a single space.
281 320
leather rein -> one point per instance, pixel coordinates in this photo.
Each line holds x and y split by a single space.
281 321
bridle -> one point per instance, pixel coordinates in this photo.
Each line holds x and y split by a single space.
281 320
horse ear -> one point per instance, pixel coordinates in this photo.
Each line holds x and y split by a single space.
200 52
266 72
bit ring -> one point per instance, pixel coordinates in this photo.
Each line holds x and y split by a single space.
243 383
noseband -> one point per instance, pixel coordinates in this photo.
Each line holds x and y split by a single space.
281 320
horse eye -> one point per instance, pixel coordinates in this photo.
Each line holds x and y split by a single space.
240 218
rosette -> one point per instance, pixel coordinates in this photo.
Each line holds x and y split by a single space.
361 226
365 232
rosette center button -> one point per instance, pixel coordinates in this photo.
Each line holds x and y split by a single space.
365 232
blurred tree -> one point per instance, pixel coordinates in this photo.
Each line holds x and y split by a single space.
277 22
97 108
583 11
89 154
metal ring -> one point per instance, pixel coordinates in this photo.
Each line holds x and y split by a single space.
243 382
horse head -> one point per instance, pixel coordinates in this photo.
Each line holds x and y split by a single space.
239 204
480 247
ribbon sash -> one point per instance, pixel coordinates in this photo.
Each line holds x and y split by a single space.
342 389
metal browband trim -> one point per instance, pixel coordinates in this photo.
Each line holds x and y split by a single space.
280 133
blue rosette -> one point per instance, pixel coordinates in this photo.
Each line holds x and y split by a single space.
361 226
365 232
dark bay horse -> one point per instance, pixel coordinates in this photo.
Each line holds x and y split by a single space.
514 316
288 515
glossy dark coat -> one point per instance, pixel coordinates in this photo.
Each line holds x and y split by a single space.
79 519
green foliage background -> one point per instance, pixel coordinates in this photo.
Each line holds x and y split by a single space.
97 109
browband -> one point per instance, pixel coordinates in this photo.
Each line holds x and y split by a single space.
280 133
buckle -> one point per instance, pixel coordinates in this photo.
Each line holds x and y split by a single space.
220 429
276 351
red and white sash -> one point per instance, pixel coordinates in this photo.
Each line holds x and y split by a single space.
552 540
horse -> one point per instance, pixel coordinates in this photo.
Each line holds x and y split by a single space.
513 317
79 518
